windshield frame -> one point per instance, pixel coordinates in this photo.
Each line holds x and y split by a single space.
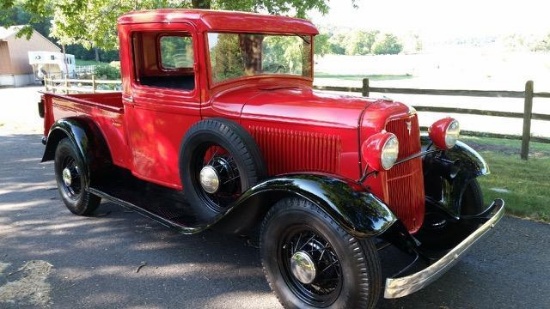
307 57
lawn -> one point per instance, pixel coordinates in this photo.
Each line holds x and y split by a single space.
81 62
360 77
524 185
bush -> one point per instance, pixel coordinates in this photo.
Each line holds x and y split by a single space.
107 72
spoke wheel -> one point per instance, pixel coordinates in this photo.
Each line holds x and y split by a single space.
310 267
311 262
72 180
219 161
217 175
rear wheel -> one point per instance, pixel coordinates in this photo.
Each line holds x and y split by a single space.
311 262
72 180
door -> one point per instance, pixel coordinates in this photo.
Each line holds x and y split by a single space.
164 100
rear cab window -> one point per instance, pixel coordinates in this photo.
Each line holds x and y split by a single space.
164 60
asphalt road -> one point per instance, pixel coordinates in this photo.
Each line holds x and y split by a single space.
50 258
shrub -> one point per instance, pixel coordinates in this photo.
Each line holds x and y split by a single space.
107 72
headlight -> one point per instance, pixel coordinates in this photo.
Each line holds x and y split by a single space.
444 133
380 151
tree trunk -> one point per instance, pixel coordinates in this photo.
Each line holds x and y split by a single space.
96 50
201 4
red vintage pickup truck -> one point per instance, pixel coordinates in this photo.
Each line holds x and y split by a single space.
218 127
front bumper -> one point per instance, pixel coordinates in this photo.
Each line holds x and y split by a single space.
402 286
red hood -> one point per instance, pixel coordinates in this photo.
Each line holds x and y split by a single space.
293 105
302 105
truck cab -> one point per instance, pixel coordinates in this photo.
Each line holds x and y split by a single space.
218 126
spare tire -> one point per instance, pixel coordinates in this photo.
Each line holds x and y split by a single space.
219 160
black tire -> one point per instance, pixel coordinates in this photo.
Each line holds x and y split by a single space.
230 150
72 180
471 201
350 273
471 204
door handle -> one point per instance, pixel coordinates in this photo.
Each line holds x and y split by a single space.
129 99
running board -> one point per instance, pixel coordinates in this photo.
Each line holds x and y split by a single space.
167 206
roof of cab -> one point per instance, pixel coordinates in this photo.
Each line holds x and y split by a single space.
210 20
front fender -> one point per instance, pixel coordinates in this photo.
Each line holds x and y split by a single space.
359 212
448 172
471 163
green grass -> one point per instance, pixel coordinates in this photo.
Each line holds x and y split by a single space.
89 62
524 185
360 77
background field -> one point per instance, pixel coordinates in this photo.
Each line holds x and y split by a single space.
448 68
451 68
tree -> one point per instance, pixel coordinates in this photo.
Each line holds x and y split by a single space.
17 15
361 42
387 44
321 45
92 22
542 45
337 44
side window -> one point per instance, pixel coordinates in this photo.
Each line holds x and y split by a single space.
176 52
164 60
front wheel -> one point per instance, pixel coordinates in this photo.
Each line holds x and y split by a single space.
311 262
72 180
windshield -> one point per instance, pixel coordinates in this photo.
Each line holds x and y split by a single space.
234 55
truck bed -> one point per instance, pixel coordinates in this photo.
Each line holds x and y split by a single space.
111 101
105 110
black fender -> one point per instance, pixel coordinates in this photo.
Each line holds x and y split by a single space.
85 136
357 211
447 172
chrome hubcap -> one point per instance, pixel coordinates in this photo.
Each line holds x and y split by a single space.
209 179
302 267
67 177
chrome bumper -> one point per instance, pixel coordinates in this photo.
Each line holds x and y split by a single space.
399 287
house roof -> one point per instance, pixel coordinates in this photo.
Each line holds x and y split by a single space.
7 32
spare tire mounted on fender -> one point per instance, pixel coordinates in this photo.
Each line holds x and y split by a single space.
219 160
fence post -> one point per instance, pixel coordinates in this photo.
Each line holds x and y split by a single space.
93 83
366 90
527 113
66 85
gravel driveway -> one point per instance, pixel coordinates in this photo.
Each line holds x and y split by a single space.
50 258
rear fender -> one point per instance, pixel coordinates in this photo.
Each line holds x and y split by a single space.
447 172
85 135
359 212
